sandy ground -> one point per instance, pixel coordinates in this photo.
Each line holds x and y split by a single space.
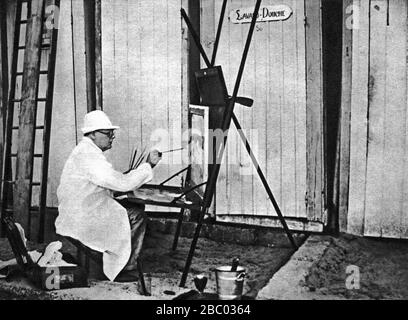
165 266
361 268
378 267
260 262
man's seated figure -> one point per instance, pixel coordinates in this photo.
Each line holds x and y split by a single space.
87 210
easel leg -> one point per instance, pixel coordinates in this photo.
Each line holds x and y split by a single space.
141 278
179 223
264 182
192 248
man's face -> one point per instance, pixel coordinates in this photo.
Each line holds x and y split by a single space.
103 138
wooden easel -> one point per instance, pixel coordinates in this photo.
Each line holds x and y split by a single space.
241 100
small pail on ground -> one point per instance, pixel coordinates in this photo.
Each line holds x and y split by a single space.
230 284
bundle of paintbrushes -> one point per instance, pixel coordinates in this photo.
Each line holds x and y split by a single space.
136 159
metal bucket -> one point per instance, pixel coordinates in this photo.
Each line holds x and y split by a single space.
230 284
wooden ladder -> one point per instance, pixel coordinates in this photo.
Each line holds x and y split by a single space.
47 69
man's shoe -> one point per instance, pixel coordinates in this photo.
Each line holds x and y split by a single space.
127 276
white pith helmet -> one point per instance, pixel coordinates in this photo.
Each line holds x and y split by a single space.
97 120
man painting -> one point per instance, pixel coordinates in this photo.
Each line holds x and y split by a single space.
87 210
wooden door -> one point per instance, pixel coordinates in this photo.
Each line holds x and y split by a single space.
276 125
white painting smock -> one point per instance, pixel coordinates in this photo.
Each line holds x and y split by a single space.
87 210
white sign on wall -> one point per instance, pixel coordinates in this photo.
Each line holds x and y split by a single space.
266 13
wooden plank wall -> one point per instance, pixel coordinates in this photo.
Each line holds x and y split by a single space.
378 146
143 69
69 74
275 126
142 76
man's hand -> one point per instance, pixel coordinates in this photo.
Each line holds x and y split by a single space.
153 158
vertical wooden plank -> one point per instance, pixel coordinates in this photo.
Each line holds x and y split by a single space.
314 107
186 61
222 193
227 56
134 84
147 46
344 126
358 122
288 205
174 90
196 15
257 137
64 117
394 122
89 23
273 114
119 154
62 124
300 111
404 215
160 125
108 52
3 76
377 80
247 88
228 166
209 24
235 148
98 55
213 9
80 64
208 29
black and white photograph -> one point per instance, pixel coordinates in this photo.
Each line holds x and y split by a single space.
204 156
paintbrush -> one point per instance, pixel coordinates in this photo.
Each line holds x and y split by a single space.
172 150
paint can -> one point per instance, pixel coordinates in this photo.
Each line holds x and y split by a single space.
230 284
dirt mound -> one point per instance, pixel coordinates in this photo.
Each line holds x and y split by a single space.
379 268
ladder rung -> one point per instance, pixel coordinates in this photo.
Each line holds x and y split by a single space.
36 155
20 73
37 127
8 181
24 21
44 46
8 209
38 99
32 183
